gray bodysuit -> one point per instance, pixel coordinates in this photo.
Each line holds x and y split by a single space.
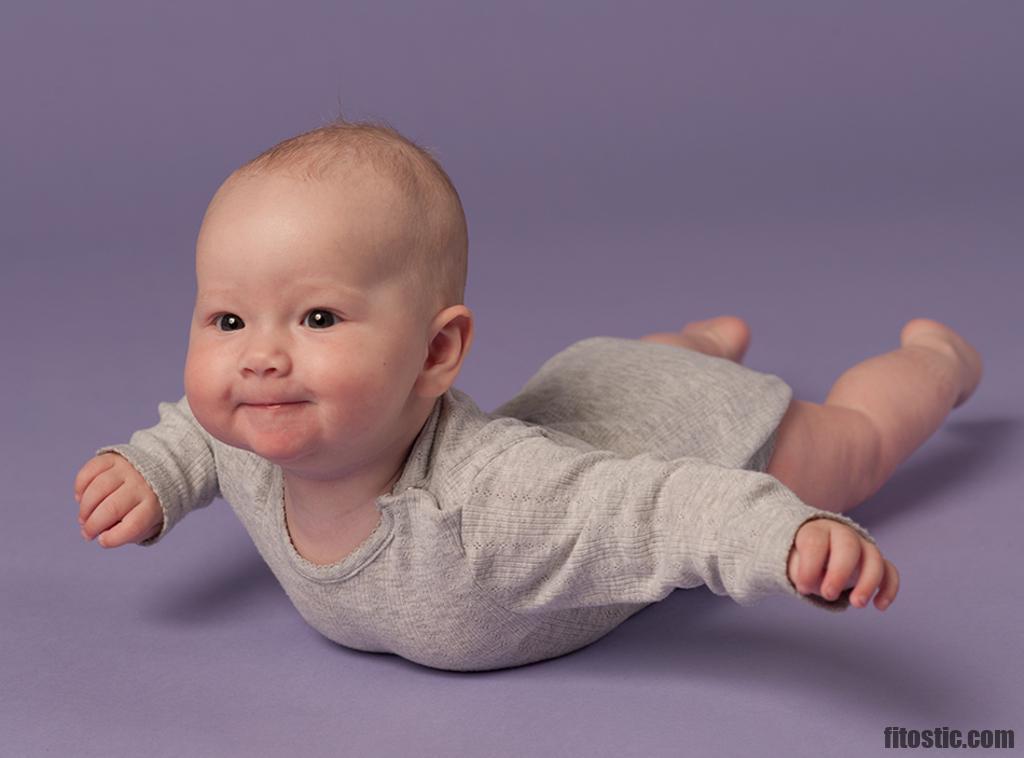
622 471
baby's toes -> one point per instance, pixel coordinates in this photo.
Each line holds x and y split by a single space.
729 334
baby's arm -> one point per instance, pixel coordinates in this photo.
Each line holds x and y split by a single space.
554 527
126 491
824 547
115 504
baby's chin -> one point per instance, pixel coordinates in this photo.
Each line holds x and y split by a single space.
281 449
283 454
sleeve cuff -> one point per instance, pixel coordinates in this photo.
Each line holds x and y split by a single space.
771 575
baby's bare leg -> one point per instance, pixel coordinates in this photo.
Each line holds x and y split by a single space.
836 455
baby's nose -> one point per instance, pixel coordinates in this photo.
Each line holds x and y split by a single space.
265 359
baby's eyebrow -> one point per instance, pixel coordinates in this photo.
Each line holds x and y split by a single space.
206 298
333 290
311 290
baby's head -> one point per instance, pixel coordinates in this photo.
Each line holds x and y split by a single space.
330 275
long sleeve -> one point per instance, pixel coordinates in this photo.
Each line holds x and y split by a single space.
176 459
553 527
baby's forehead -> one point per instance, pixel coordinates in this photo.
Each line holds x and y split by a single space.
380 205
360 221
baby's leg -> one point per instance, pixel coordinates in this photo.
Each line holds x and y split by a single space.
836 455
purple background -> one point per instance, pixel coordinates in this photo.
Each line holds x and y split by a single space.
827 171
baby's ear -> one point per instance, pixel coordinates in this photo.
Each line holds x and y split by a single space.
453 335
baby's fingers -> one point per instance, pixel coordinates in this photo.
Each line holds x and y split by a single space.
844 555
110 510
137 523
98 490
92 468
871 573
811 552
890 586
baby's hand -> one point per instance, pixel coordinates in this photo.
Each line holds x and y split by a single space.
852 561
115 502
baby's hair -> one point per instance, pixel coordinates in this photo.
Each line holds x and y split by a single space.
435 268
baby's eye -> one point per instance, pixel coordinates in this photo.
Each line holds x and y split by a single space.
318 318
230 321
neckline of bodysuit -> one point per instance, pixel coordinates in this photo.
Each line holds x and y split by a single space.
348 566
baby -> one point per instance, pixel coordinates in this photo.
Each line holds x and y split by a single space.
328 330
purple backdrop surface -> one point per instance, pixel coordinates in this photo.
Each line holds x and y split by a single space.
825 171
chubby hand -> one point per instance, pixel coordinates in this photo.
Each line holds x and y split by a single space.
115 503
852 561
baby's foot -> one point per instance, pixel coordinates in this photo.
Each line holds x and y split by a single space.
723 337
730 334
924 332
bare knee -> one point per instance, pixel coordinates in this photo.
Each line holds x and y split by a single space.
828 455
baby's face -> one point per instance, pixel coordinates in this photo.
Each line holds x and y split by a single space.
301 348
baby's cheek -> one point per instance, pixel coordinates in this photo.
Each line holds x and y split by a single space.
361 399
356 398
203 390
194 379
